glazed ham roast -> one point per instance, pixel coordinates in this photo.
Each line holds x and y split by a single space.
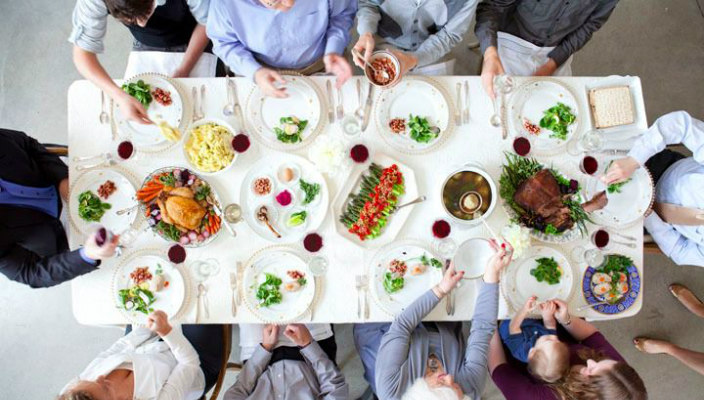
541 195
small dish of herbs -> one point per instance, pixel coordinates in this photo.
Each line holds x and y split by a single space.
547 270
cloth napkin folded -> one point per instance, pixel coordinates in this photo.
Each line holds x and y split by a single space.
140 62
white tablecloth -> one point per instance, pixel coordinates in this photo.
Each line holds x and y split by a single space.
477 142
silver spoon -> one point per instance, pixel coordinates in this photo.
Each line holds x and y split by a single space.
416 201
359 55
104 119
629 245
359 112
127 210
592 305
495 120
229 109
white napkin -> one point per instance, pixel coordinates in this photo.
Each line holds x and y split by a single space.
251 336
140 62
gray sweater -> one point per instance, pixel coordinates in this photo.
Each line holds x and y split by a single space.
404 348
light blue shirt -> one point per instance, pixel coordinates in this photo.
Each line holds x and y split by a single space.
244 32
682 184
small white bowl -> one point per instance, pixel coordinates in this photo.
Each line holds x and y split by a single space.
187 135
272 181
384 54
296 174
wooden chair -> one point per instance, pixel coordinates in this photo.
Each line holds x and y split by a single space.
649 245
58 149
226 364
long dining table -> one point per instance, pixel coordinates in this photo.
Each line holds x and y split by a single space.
477 141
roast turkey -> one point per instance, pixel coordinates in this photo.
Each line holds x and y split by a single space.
178 207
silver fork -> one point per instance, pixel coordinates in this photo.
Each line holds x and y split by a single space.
109 162
194 94
365 297
239 276
359 285
458 116
340 108
233 286
465 113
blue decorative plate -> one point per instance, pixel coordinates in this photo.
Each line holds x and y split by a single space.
623 304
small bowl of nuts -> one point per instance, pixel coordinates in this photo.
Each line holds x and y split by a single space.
387 68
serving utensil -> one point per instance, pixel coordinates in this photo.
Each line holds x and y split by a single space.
340 108
448 304
465 113
416 201
368 107
458 113
114 131
359 112
357 54
127 210
331 112
104 118
219 213
263 216
588 306
233 287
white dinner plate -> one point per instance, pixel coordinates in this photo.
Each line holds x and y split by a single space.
472 257
123 197
627 206
416 96
414 286
147 135
293 304
170 299
268 167
517 284
530 101
395 221
303 102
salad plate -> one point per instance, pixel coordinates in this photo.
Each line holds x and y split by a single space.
293 192
278 286
144 283
401 272
547 112
364 178
97 196
520 279
628 201
616 283
180 206
472 257
406 113
149 135
288 123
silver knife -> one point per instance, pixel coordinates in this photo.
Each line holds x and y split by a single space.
202 100
368 107
458 116
466 102
504 128
194 93
236 102
331 101
340 108
240 289
448 306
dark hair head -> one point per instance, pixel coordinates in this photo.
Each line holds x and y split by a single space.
76 395
129 11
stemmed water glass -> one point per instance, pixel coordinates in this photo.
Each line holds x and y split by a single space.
589 141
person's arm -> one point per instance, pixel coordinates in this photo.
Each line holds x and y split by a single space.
226 45
490 15
575 326
332 382
368 17
394 346
483 327
342 14
442 42
248 377
673 244
29 268
199 41
183 376
580 36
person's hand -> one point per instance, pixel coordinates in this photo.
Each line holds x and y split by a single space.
562 313
265 79
181 72
132 109
63 189
546 69
529 305
96 252
448 282
338 66
270 335
620 170
547 311
158 322
491 67
365 46
299 334
408 61
497 262
599 201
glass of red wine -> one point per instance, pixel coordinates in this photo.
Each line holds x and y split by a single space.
177 254
443 245
359 153
521 146
601 239
125 150
241 142
313 242
589 165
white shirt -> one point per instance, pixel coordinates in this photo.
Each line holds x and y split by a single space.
682 184
163 370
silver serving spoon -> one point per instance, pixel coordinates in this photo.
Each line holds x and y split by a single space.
416 201
229 109
495 120
359 55
592 305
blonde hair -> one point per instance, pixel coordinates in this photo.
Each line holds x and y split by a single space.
420 390
552 365
620 382
77 395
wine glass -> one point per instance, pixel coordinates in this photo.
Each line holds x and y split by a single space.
589 141
318 265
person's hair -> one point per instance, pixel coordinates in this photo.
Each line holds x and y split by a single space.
129 11
620 382
551 365
75 395
420 390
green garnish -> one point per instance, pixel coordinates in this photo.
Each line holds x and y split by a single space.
547 271
90 208
137 299
290 130
615 187
616 263
140 91
421 130
557 119
551 230
169 231
202 192
430 262
268 292
302 281
297 219
391 284
168 179
310 189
